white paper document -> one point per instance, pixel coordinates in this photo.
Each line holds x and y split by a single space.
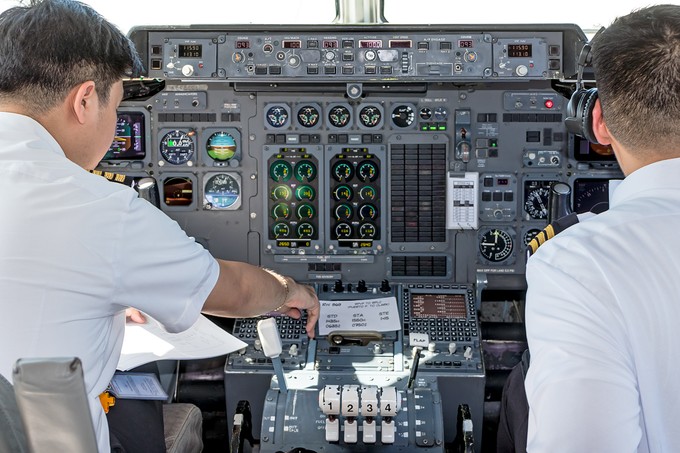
144 343
380 315
137 386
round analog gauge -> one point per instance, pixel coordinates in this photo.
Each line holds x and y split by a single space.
222 191
277 116
367 171
536 204
177 147
343 212
343 170
305 192
403 115
280 211
305 211
367 231
496 245
281 230
368 212
426 113
280 170
343 193
221 146
308 116
339 116
343 230
282 192
305 171
530 235
367 193
305 230
370 116
441 113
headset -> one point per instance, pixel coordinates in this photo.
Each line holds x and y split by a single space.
579 120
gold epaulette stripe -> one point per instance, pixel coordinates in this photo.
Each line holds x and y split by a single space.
550 231
545 234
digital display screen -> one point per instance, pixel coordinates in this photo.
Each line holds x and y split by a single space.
189 51
465 43
400 44
292 44
129 141
591 195
585 151
243 44
370 43
330 44
438 306
519 50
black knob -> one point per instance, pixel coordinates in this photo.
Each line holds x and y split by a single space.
385 286
338 287
361 286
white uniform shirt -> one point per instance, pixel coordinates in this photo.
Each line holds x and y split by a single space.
603 317
75 251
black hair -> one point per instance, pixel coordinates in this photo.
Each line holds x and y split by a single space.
50 46
637 69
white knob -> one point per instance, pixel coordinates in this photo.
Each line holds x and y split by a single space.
521 70
187 70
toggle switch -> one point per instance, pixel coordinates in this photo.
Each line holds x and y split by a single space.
387 433
351 431
332 429
369 433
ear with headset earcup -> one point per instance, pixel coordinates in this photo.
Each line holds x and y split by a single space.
579 120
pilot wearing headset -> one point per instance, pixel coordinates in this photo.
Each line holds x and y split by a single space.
603 299
75 249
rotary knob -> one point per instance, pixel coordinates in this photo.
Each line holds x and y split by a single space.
187 70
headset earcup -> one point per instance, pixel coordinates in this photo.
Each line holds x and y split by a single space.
579 119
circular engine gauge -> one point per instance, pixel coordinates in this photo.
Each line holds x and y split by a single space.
496 245
339 116
177 147
305 171
308 116
342 170
277 116
370 116
222 191
221 146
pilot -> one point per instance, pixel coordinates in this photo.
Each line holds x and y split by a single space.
602 305
75 249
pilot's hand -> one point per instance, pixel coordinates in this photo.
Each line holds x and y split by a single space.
134 315
302 297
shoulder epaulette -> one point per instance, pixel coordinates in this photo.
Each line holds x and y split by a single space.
115 177
551 231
